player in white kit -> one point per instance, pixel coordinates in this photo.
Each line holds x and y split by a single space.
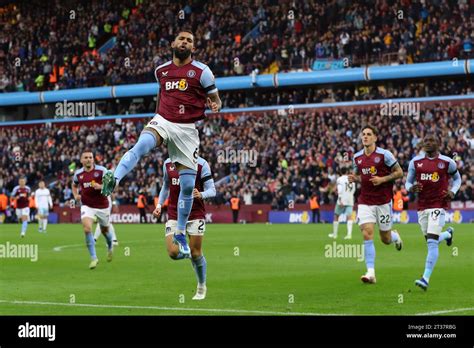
44 203
344 205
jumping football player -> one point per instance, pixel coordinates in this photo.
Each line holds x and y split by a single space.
93 204
428 175
21 194
376 169
186 85
196 225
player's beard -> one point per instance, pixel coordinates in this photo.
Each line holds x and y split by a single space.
181 55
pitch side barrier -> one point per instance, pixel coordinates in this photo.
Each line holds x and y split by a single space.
402 104
350 75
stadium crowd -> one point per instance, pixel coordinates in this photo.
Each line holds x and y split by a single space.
271 157
56 45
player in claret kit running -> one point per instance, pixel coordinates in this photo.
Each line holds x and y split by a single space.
376 169
196 225
21 194
186 85
429 174
94 205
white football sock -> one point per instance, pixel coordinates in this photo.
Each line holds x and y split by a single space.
349 228
97 232
112 231
335 226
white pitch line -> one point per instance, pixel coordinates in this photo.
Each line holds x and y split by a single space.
59 248
214 310
448 311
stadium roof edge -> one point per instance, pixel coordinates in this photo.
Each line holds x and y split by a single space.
469 97
351 75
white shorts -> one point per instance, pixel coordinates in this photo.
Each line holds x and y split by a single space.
377 214
182 140
102 215
23 212
432 220
193 227
43 210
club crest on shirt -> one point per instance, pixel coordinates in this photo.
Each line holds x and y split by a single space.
96 174
191 73
441 165
377 160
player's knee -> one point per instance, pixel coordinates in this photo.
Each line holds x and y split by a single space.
196 252
368 234
386 238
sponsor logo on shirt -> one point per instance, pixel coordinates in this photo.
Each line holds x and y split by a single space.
180 85
369 171
430 177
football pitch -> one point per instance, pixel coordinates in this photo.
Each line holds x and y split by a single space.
253 269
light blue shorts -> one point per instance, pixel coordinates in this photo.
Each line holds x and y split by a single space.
343 210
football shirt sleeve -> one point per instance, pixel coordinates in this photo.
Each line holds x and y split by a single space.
389 159
164 192
411 176
208 81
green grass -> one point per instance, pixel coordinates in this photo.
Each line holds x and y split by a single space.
275 262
